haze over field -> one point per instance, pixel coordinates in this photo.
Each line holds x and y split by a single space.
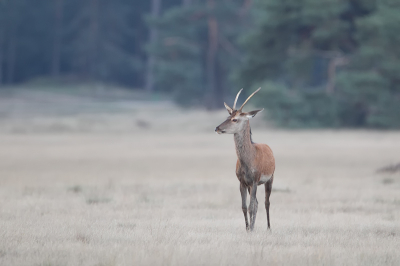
149 184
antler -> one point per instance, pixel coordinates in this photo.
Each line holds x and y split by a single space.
230 110
237 96
241 107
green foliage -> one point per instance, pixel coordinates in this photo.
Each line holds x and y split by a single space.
293 33
298 43
99 40
179 52
98 35
182 50
23 44
371 82
295 109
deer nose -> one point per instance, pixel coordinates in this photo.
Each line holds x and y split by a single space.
216 129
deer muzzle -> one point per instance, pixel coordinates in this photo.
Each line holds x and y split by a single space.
219 131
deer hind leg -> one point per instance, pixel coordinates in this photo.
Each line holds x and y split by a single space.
268 189
253 206
243 193
250 213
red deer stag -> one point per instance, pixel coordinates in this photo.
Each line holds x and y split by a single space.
256 163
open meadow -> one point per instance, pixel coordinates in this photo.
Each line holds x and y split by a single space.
125 182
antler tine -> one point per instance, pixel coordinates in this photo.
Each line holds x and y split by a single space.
237 96
241 107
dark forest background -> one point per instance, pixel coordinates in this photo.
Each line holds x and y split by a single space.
320 63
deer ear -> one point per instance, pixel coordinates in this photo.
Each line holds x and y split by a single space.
252 113
228 108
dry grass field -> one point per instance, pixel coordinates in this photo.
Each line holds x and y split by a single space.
149 184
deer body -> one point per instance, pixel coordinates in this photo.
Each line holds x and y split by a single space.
255 165
255 162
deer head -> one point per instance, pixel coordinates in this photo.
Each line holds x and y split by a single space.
237 119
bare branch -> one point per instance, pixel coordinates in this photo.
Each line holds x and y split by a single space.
245 8
333 64
229 47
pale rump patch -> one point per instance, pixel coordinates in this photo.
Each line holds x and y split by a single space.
264 179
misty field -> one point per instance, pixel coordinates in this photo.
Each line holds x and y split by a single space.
158 192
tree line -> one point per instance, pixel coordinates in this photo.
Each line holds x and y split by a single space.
321 63
87 39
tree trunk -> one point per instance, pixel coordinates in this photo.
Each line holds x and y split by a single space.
186 3
55 69
12 43
333 65
155 13
211 57
1 52
245 7
219 84
93 41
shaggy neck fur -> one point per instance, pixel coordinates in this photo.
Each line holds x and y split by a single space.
245 149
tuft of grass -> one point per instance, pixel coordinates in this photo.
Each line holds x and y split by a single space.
97 200
393 168
387 181
75 189
127 225
46 263
108 262
283 190
82 238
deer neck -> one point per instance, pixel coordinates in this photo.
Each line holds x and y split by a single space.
245 149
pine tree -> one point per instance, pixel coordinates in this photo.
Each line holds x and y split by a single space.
197 51
58 35
96 34
370 86
2 39
25 26
336 62
155 13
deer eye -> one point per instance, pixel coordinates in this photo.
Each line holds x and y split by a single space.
234 120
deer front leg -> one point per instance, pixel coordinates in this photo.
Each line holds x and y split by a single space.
243 193
268 189
253 206
250 213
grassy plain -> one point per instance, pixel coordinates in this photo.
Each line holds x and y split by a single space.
149 184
